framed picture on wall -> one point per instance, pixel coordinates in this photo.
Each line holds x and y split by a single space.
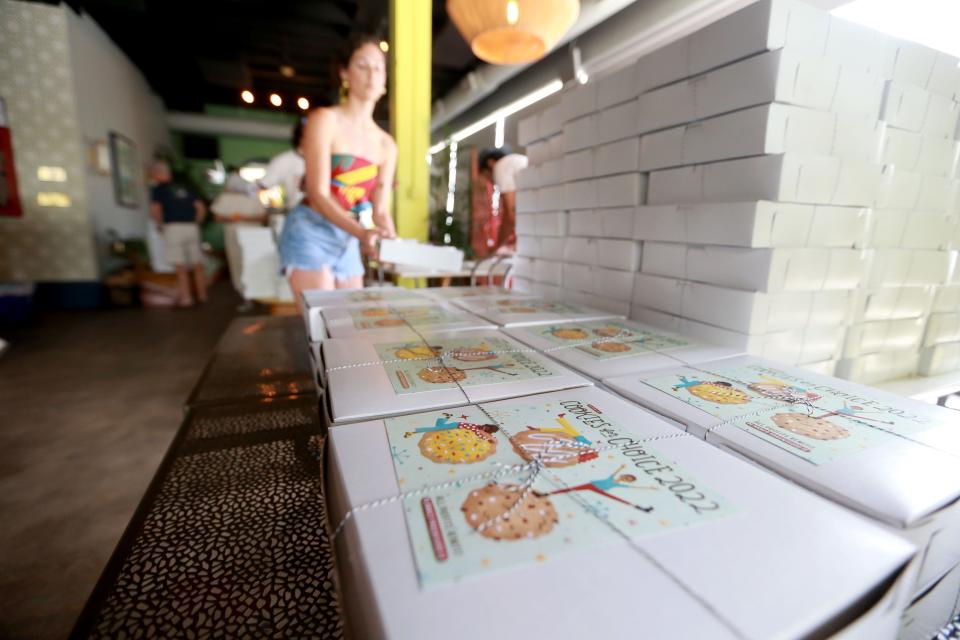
9 197
126 170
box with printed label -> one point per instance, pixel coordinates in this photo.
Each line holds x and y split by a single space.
315 301
757 224
513 313
379 319
942 327
788 76
906 268
942 358
864 338
381 377
765 129
769 270
794 346
885 456
607 348
429 535
742 311
786 177
892 303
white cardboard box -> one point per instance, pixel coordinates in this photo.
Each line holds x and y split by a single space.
457 293
769 270
614 306
903 229
581 194
923 154
379 319
943 358
314 301
614 284
418 254
615 123
933 610
908 190
526 223
551 172
374 378
888 457
578 165
891 303
796 346
785 75
883 335
549 271
552 248
777 593
528 177
550 121
622 156
607 348
616 222
552 198
511 313
754 224
942 327
784 178
546 291
906 106
906 268
524 268
765 129
618 86
551 223
946 299
580 133
528 129
579 100
618 254
742 311
528 200
624 190
882 366
577 277
528 246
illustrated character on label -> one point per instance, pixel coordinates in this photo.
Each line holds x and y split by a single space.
603 486
456 441
718 392
783 391
418 351
473 354
553 446
568 333
440 375
505 512
818 427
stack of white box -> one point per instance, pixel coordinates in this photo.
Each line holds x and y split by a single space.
541 215
792 179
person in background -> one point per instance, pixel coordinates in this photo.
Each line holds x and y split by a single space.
287 170
500 167
237 205
350 164
178 213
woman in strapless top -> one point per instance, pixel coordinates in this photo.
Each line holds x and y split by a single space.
350 164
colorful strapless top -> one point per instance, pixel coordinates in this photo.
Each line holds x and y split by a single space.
352 181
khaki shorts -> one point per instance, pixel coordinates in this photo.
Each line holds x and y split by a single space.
182 243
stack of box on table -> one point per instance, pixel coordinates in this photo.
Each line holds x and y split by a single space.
796 176
467 454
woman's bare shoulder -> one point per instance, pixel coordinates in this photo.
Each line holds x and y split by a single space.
387 143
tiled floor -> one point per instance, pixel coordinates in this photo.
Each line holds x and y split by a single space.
89 402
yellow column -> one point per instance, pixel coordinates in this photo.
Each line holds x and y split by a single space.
410 55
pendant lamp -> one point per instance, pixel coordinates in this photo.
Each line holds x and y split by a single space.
512 31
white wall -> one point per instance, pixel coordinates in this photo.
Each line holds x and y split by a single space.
112 95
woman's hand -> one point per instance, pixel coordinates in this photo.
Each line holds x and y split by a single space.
368 243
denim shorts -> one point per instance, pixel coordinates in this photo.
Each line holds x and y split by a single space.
312 243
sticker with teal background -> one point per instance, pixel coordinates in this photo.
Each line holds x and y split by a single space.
605 339
382 317
520 305
413 366
811 420
598 479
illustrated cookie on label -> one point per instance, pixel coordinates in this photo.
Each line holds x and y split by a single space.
569 333
612 332
497 512
376 312
718 392
473 354
390 322
418 352
439 375
817 428
456 441
561 446
610 346
522 309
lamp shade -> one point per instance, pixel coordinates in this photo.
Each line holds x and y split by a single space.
512 31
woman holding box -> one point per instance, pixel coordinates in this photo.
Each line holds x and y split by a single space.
350 164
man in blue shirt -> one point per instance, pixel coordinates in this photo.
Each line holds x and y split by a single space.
178 212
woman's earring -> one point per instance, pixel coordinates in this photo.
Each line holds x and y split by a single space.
344 90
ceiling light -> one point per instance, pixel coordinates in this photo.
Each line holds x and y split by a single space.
930 22
497 36
275 100
582 76
511 108
384 46
287 71
252 173
303 103
247 96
